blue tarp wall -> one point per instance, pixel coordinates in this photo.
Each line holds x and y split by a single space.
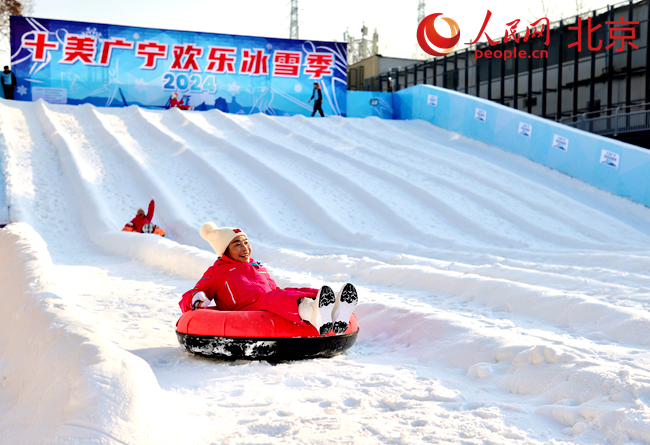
370 103
610 165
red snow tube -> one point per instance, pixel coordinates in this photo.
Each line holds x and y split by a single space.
257 335
156 231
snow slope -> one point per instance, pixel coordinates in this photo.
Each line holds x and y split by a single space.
501 302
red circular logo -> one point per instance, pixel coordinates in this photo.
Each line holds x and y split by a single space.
433 43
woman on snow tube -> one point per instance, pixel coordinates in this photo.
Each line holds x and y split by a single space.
236 282
142 223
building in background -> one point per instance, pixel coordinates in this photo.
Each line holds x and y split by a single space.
374 66
595 81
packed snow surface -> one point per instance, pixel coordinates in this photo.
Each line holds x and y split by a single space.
501 302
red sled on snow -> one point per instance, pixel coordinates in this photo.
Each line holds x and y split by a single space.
156 230
257 335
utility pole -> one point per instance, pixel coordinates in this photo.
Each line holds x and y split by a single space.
293 31
421 8
417 51
359 49
364 43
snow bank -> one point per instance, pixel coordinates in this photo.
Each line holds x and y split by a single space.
61 381
495 287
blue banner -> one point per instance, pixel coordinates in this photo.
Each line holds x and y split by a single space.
115 66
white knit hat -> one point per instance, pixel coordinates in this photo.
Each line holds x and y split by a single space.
219 237
174 95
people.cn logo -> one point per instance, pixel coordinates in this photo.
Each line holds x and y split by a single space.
433 43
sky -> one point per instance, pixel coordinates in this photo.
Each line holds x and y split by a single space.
396 22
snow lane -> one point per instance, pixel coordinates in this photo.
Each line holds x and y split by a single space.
296 213
495 219
553 210
147 144
171 211
112 137
252 177
358 212
16 158
370 203
444 199
297 135
84 181
553 191
67 136
38 188
206 183
421 209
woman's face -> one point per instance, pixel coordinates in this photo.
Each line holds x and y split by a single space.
239 249
140 212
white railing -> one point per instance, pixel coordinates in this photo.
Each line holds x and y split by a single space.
612 121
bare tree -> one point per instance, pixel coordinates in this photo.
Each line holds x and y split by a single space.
581 7
546 8
28 7
13 7
556 10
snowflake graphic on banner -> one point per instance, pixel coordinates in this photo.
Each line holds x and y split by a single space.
140 85
233 88
21 90
92 32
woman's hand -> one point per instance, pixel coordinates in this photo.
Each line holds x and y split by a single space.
200 300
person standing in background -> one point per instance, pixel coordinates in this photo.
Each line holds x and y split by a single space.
318 95
8 83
